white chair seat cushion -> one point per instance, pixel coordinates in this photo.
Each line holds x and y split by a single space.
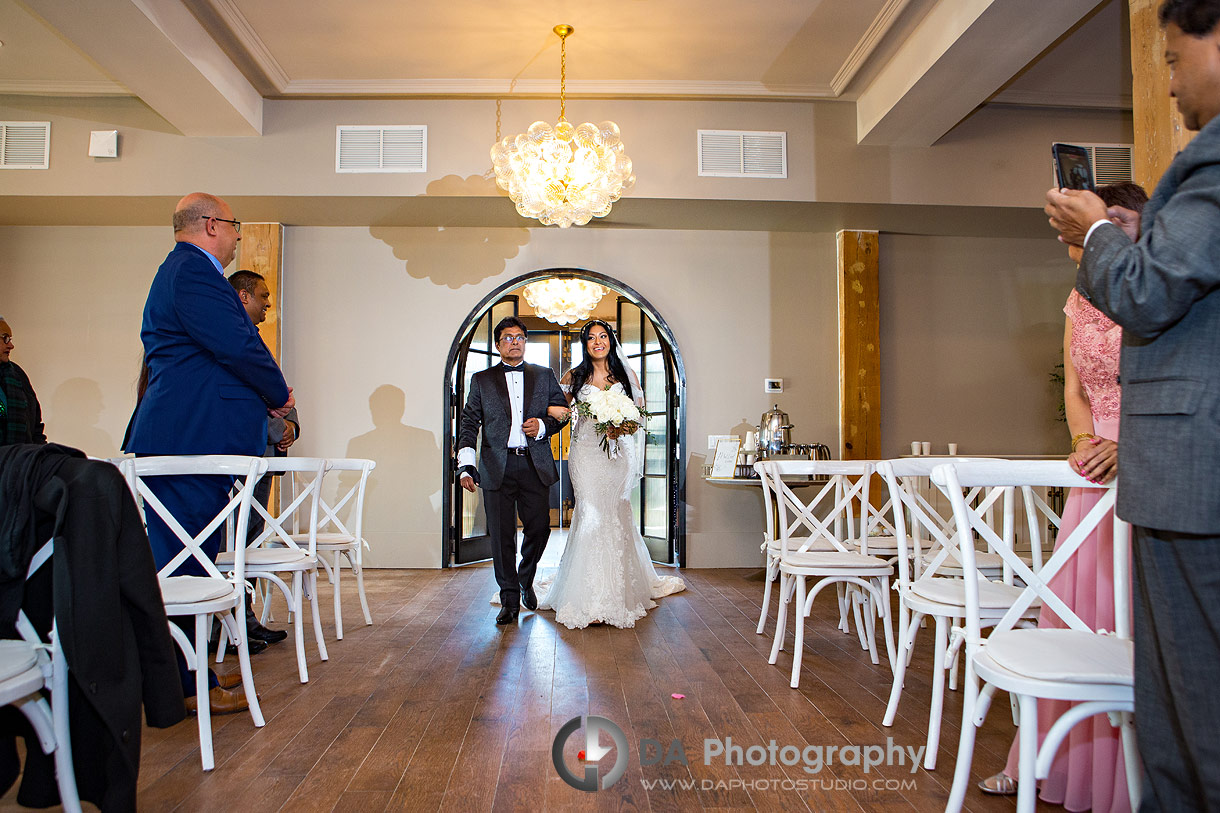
835 559
16 657
193 589
326 539
265 557
817 545
883 543
992 595
1063 655
983 560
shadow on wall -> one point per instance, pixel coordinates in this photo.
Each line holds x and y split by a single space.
76 409
454 257
403 493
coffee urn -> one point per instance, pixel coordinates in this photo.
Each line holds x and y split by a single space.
774 433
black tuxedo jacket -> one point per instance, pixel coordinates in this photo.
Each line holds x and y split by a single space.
487 407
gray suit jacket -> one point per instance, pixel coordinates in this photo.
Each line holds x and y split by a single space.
487 406
1163 291
275 432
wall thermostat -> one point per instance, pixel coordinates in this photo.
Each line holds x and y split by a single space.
773 385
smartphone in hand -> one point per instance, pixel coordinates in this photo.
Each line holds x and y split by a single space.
1072 166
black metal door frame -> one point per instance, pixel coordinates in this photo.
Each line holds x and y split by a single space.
452 408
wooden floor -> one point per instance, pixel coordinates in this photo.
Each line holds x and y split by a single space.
435 708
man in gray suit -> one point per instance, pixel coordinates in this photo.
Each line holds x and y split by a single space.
255 296
515 467
1164 290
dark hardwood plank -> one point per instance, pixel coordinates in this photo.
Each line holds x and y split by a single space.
434 707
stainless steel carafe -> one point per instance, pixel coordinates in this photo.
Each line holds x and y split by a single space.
774 432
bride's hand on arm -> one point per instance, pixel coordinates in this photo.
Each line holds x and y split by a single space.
1096 459
558 413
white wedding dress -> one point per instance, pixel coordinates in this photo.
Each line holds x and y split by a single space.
605 574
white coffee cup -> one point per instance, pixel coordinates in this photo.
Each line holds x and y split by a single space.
926 447
914 447
952 450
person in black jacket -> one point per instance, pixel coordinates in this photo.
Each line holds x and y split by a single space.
107 607
20 414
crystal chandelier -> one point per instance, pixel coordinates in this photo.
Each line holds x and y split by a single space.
563 301
563 174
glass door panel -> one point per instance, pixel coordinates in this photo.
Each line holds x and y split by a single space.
471 542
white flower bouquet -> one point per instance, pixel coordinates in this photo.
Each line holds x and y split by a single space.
614 415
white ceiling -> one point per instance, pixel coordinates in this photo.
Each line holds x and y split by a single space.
914 68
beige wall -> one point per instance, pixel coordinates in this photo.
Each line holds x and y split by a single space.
369 315
971 330
1000 156
970 327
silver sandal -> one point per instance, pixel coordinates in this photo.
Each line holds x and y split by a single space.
1000 784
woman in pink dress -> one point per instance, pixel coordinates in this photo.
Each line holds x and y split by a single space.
1088 770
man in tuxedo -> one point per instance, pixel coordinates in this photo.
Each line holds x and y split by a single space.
1164 290
515 467
212 383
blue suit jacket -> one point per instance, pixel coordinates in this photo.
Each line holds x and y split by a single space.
1165 292
210 377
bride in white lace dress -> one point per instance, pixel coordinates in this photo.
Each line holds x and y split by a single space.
605 574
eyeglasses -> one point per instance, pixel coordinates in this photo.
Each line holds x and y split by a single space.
6 338
514 339
236 223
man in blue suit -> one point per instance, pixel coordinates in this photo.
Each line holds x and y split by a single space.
212 383
1164 290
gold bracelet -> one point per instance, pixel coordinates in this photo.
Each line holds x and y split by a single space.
1082 436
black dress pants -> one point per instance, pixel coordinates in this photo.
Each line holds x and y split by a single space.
521 493
1175 602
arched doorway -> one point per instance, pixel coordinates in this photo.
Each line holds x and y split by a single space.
660 501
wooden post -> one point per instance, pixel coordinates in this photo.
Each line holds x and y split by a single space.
1159 132
261 250
859 347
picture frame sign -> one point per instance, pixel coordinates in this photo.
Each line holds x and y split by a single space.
724 464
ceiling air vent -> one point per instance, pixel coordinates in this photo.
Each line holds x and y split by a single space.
396 148
743 154
1111 163
25 145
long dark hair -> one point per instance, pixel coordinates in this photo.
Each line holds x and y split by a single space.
584 371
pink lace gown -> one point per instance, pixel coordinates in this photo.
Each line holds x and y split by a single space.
1088 770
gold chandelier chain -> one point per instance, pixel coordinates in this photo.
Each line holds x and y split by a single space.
563 77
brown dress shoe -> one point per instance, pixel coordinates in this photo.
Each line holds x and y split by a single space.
229 680
221 701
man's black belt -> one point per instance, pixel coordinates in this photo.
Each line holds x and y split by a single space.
518 450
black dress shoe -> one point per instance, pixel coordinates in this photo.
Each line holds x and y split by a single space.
255 645
510 608
257 632
528 599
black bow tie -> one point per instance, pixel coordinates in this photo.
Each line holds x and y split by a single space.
518 369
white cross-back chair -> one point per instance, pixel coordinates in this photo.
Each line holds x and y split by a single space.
277 551
213 594
928 592
865 579
771 546
1078 663
344 539
29 665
